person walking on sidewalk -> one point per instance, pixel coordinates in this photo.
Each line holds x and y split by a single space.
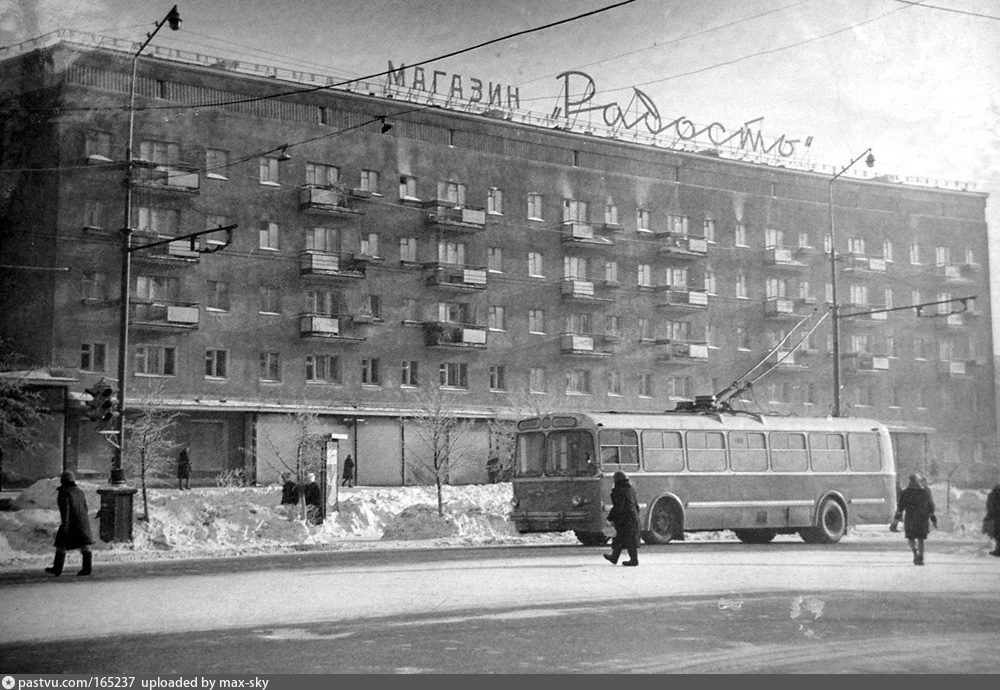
348 476
917 504
624 515
991 523
74 526
183 470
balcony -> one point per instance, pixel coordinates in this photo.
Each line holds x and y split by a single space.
678 351
682 299
338 265
860 313
327 201
167 179
612 228
953 369
164 315
578 344
579 234
326 326
444 215
779 307
454 335
788 359
175 253
456 276
681 246
581 291
955 273
865 362
860 265
781 257
951 320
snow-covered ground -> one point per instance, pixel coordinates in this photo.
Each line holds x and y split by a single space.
206 522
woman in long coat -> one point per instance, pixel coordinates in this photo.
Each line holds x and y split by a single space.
916 510
74 527
624 515
992 519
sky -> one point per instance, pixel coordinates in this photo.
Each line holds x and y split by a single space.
916 84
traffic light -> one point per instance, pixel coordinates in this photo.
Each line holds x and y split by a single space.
103 404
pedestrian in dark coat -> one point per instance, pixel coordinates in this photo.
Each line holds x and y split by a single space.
348 476
313 496
184 470
624 515
74 525
917 505
991 523
289 490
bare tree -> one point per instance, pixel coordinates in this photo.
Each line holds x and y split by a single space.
305 433
21 409
149 450
443 432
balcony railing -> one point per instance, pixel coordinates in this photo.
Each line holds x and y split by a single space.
579 344
681 351
582 234
454 335
456 276
781 257
327 200
181 179
867 362
953 368
331 264
177 252
682 246
779 306
164 314
677 298
312 325
446 216
859 264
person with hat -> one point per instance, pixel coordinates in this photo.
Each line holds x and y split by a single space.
916 510
74 526
624 515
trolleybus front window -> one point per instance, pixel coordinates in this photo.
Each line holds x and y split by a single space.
570 453
530 456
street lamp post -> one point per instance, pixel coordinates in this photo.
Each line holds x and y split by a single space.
116 500
835 307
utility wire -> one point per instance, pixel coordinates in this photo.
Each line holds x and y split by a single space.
948 9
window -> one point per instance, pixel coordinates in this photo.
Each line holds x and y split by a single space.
645 385
856 245
323 369
859 294
779 392
270 300
158 221
97 146
494 201
804 293
323 239
495 319
93 356
494 259
619 447
747 451
216 164
788 452
370 372
677 225
160 152
453 312
706 451
408 249
375 306
919 348
535 265
829 454
370 245
615 386
575 210
270 366
740 239
94 286
887 297
710 282
828 292
611 272
268 168
218 295
708 229
742 338
804 242
536 380
452 192
613 325
915 254
369 181
156 287
268 235
498 377
887 250
155 360
679 387
454 374
95 214
578 382
741 286
677 277
645 329
536 320
662 451
863 395
610 214
575 268
578 322
642 220
451 252
864 451
644 277
408 373
535 209
408 187
678 331
215 364
773 238
970 257
942 256
322 175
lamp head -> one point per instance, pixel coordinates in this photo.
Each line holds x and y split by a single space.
870 161
174 19
386 126
284 155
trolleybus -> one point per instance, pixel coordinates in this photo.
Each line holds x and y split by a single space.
702 470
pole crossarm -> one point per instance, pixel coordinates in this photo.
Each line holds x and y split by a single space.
228 229
918 307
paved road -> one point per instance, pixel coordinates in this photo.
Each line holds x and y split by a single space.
691 608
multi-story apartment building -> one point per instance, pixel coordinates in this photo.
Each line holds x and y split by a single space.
384 250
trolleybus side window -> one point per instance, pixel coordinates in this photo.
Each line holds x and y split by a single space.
530 454
864 452
828 452
747 452
662 451
619 449
788 452
570 453
706 451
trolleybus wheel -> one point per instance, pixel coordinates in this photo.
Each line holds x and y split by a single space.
831 525
755 536
591 538
664 525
